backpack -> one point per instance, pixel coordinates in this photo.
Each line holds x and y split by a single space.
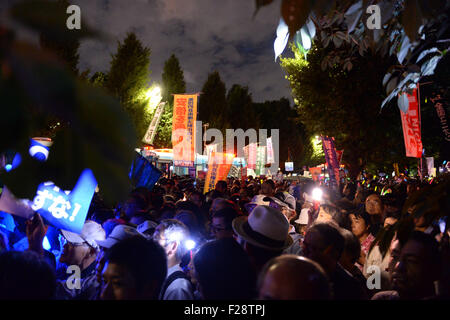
173 276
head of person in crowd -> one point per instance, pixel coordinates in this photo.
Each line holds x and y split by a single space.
349 191
134 269
324 244
221 187
374 205
172 235
329 213
264 234
360 223
224 271
168 211
418 267
221 223
189 219
268 188
135 204
219 204
391 218
26 276
82 249
291 277
197 198
352 250
168 185
119 233
360 196
147 228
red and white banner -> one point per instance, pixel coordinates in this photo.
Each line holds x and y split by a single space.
411 127
183 129
270 155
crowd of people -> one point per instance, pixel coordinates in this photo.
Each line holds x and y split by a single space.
246 239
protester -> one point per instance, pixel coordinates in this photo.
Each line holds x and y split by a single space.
172 235
324 244
361 223
264 234
81 250
134 269
417 269
221 223
26 276
290 277
224 271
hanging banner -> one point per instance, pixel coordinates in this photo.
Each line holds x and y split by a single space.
251 154
397 172
332 162
270 154
261 160
411 127
218 168
436 96
339 154
315 173
430 165
183 129
153 127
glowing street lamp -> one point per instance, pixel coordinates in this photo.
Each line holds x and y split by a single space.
154 96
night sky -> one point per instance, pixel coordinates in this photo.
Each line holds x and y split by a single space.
205 35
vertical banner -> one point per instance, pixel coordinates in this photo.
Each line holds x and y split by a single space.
252 155
332 162
261 160
151 131
339 154
411 127
430 165
315 172
218 167
270 155
397 171
183 129
436 96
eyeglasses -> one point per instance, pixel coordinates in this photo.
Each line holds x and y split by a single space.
216 229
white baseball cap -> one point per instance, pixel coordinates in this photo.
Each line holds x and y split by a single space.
91 233
119 233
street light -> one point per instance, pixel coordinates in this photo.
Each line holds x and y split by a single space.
154 96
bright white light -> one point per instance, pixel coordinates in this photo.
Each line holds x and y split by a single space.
189 244
171 168
317 194
175 236
46 244
155 97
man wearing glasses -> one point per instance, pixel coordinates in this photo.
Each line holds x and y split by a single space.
79 253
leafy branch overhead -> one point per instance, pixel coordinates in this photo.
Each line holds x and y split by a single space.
99 136
415 32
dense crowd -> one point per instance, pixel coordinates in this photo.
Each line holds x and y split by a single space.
246 239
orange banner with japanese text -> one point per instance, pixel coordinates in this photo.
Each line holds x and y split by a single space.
183 129
411 127
219 166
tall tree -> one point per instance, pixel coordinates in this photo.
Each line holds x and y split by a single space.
213 103
280 115
128 80
172 79
345 105
172 82
241 112
66 48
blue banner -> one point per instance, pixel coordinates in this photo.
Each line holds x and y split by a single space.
66 210
143 173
